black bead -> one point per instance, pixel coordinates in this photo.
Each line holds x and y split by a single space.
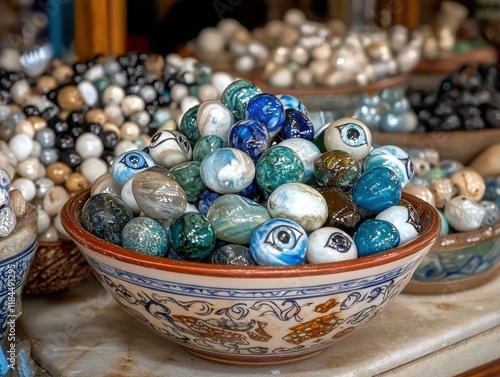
132 89
151 128
52 95
71 158
94 128
31 110
49 113
58 125
450 123
109 139
123 60
474 123
5 96
159 86
76 131
75 118
108 157
492 117
80 67
65 142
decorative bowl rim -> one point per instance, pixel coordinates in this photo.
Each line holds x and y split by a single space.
460 240
81 236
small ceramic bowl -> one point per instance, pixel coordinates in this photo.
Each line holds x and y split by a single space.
458 262
57 266
251 314
17 252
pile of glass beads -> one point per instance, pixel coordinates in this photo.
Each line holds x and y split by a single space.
8 220
60 129
464 198
248 180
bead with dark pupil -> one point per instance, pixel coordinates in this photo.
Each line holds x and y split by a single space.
353 134
284 237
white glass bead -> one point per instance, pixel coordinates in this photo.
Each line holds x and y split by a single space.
88 92
132 104
188 102
221 80
43 220
214 118
124 146
59 227
178 92
128 197
92 168
105 183
89 145
26 186
94 73
114 114
330 244
207 92
50 235
113 95
54 200
21 146
30 168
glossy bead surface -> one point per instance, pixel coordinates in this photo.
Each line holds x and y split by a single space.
492 215
374 236
349 135
336 169
189 126
268 110
296 124
206 145
279 242
145 235
214 118
188 176
330 244
235 218
307 152
469 183
405 221
377 189
292 102
227 170
8 221
342 212
206 199
391 157
237 95
250 136
169 148
233 255
128 164
464 214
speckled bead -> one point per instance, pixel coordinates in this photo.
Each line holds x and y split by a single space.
336 169
233 255
374 236
146 236
307 152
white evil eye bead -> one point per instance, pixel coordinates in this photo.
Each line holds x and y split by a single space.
169 148
349 135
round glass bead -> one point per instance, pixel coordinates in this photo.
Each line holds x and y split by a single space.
250 136
349 135
268 110
296 124
128 164
206 145
307 152
232 254
237 95
169 148
374 236
145 235
330 244
188 176
214 118
189 126
336 169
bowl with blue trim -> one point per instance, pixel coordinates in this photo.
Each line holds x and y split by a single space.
251 315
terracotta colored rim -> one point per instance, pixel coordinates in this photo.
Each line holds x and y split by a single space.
461 240
70 215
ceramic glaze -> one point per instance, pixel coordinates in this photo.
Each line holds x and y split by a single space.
279 242
169 148
406 222
128 164
329 244
292 102
375 236
464 214
349 135
342 212
393 158
188 176
189 124
206 199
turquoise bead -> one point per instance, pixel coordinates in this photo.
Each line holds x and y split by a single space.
189 125
237 95
276 166
377 189
235 217
435 173
206 145
145 235
192 236
374 236
445 227
188 176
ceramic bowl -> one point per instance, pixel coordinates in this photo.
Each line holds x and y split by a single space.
17 252
458 262
251 315
57 266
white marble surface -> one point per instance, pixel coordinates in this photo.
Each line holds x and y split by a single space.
83 332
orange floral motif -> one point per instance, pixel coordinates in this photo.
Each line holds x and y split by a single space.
260 334
206 330
315 328
326 306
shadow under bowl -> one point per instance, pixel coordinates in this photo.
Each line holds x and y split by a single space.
251 315
458 262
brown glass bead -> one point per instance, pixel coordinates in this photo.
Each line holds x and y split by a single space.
76 182
45 84
342 211
58 172
69 98
95 116
37 122
336 169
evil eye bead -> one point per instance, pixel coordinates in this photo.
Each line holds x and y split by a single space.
279 242
391 157
5 180
128 164
169 148
349 135
330 244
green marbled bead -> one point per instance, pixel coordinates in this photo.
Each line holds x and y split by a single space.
192 236
435 173
237 95
189 126
188 176
235 217
203 73
101 84
336 169
206 145
276 166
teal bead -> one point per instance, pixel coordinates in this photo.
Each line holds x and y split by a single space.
193 90
435 173
235 217
161 116
188 176
276 166
445 227
101 84
146 236
203 74
192 236
374 236
206 145
189 126
237 95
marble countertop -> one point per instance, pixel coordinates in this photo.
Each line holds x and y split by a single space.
84 332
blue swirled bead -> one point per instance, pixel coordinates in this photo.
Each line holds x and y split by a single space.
268 110
276 166
291 102
233 255
235 218
188 176
296 124
250 136
104 215
128 164
279 242
391 157
206 199
237 95
189 126
145 235
377 189
192 236
206 145
227 170
374 236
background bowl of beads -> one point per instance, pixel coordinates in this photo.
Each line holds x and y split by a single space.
251 314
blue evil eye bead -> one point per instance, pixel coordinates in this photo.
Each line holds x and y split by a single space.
393 158
206 199
5 180
214 118
307 152
377 189
169 148
235 217
206 145
237 95
300 203
268 110
349 135
233 255
296 124
128 164
192 236
250 136
279 242
374 236
189 126
4 197
330 244
105 215
227 170
146 236
291 102
406 222
276 166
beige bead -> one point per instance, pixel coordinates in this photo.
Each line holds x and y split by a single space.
129 131
62 74
95 116
18 204
443 190
131 104
54 200
69 98
58 172
45 84
25 127
76 182
37 122
108 126
469 183
20 91
421 166
421 192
